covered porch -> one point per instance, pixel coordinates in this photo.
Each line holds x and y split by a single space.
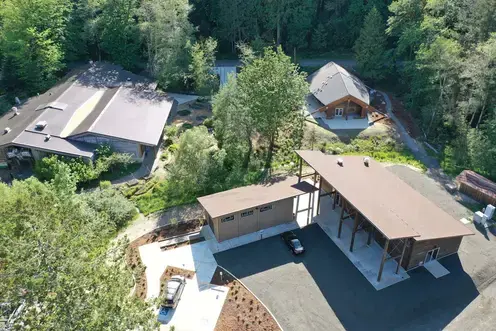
376 251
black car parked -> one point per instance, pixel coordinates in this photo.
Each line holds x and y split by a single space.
293 242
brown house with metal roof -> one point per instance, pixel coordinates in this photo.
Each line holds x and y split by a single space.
337 93
411 229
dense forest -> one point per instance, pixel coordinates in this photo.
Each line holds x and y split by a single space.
438 54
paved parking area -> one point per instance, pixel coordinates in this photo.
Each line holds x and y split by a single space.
322 290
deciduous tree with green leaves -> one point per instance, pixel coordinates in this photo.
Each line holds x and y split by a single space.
58 264
272 90
31 38
202 65
167 34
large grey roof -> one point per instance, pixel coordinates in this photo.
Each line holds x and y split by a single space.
133 114
332 82
28 113
54 144
101 99
104 74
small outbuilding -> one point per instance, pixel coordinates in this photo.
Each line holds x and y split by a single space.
248 209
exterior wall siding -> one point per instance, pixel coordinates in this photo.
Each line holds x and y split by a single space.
253 219
119 145
419 249
350 109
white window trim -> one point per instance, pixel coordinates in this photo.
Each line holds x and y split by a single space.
341 112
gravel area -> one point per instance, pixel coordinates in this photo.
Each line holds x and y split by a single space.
431 189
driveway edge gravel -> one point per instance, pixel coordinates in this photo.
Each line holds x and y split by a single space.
261 302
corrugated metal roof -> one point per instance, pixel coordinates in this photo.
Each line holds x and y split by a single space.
332 82
390 204
252 196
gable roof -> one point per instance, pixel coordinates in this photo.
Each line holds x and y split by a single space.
391 205
332 82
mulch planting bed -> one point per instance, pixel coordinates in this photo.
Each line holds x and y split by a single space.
133 258
241 310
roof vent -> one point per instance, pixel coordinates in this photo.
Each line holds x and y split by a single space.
40 125
47 137
7 130
340 162
366 161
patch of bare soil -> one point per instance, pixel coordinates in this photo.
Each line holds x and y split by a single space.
173 271
405 117
133 258
241 310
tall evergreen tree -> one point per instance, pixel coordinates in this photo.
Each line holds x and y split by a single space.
370 47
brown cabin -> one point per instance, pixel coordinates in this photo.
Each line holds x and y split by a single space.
339 93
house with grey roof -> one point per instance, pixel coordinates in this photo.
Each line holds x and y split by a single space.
336 94
100 104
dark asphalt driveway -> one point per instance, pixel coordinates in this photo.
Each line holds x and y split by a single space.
322 290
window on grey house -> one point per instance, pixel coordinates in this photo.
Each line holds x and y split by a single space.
265 208
247 213
227 219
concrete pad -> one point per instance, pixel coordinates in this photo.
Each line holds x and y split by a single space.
201 302
436 269
217 247
365 258
197 309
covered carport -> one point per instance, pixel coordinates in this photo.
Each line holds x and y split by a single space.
249 209
382 211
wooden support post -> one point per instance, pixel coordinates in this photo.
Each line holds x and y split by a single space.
402 255
371 233
355 226
384 254
334 200
340 223
298 197
318 201
310 205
